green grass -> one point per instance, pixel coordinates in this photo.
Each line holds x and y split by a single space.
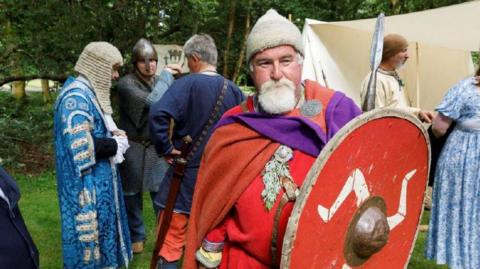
39 206
417 260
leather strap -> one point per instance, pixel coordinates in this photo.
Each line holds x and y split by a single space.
164 221
290 195
214 116
244 106
278 212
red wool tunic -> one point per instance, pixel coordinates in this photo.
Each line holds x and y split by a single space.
248 239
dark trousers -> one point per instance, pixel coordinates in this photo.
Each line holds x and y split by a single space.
134 206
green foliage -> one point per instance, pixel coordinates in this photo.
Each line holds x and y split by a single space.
476 58
26 137
46 37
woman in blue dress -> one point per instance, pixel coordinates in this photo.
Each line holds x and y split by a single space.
454 230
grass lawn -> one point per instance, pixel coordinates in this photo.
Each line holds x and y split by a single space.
39 206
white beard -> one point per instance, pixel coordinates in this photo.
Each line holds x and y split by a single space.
277 97
400 65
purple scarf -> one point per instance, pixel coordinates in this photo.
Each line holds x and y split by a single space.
299 132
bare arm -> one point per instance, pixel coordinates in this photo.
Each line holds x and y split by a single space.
174 69
440 125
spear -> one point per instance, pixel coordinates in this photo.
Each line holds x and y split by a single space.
375 59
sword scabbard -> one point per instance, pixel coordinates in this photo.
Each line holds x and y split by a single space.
163 223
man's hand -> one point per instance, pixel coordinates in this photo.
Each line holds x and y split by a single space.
119 132
169 157
173 68
426 116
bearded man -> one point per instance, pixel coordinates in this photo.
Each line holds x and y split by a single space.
143 169
88 147
390 88
260 153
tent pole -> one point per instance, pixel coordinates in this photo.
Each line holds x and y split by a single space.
417 62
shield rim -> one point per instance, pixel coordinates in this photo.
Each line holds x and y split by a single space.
324 156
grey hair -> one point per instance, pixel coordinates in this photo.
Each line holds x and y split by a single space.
203 46
299 61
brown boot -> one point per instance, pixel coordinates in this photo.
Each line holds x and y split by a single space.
137 247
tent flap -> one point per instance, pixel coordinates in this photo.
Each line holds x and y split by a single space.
337 54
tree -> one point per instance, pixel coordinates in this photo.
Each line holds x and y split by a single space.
231 26
42 39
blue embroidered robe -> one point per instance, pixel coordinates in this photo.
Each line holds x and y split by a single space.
94 225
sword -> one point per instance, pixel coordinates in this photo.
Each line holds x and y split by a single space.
179 164
375 59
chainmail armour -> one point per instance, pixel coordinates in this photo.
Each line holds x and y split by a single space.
142 170
96 63
141 156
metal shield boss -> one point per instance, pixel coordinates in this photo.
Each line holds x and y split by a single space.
361 202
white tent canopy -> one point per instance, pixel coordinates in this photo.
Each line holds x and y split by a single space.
337 53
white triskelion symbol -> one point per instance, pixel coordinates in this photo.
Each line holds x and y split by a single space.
356 183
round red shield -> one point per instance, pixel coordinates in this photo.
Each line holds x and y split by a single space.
379 160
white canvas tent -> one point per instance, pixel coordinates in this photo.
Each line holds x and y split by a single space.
337 53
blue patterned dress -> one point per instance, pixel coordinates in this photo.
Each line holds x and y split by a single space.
454 230
94 225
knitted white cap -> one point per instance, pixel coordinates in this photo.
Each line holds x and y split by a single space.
96 63
272 30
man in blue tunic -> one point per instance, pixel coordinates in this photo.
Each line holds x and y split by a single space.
88 147
189 102
143 169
